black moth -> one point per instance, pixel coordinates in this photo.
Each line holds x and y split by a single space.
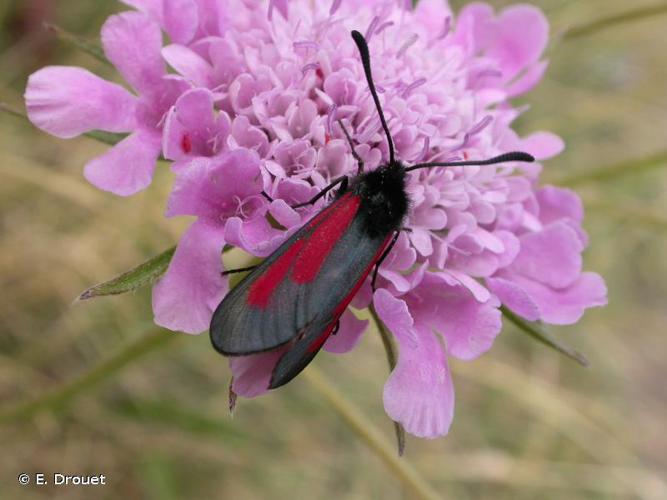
293 300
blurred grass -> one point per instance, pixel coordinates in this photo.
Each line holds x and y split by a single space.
529 423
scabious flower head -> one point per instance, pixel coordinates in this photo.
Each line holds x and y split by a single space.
252 129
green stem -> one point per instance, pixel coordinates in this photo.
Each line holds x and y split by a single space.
390 351
627 211
544 337
79 42
10 110
65 393
620 169
593 27
373 438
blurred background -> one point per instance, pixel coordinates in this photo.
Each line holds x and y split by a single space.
529 423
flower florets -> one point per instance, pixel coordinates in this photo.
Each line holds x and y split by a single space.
249 121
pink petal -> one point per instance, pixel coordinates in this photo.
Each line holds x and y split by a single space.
186 296
128 166
432 15
284 214
542 145
180 19
66 101
474 27
419 393
214 187
512 248
132 42
522 36
565 306
557 203
452 276
551 256
528 80
468 326
364 296
348 335
252 374
514 298
402 256
399 282
280 5
188 63
395 315
191 127
257 237
421 240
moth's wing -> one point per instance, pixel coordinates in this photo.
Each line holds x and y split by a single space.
322 302
301 351
239 328
303 286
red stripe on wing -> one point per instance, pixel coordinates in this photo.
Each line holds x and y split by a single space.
261 290
319 341
324 238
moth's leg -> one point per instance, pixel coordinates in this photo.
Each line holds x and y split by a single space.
266 196
336 328
239 270
382 257
360 162
343 187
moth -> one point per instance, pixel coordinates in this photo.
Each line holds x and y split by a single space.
295 297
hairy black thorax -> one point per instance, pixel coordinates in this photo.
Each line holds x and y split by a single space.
384 201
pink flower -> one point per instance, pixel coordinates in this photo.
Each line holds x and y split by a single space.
532 286
252 130
478 236
67 101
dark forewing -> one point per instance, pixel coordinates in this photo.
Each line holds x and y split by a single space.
299 291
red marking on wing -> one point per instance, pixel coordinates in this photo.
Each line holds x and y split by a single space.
327 211
324 237
186 144
319 341
261 290
340 309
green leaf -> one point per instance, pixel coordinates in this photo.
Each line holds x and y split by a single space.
538 334
60 396
390 351
142 275
79 42
611 172
106 137
11 110
632 15
627 211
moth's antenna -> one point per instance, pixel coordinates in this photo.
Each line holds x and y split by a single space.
366 62
513 156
